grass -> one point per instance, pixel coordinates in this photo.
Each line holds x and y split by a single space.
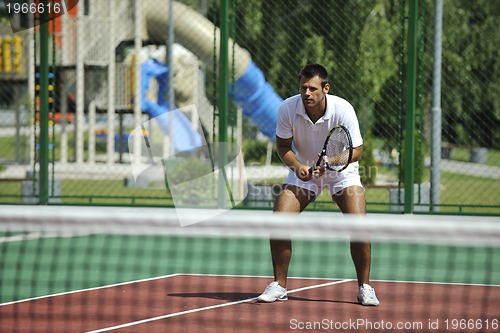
456 190
112 192
463 155
480 191
8 146
457 194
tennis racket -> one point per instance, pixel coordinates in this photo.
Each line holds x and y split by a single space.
337 150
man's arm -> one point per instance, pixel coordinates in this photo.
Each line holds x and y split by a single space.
286 154
356 153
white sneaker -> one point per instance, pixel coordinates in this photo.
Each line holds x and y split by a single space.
273 292
366 295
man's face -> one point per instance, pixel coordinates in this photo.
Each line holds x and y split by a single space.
311 91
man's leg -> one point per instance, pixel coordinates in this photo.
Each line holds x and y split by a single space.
351 200
292 199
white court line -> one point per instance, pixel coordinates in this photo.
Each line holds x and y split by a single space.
142 280
37 235
242 276
176 314
90 289
440 283
230 275
333 278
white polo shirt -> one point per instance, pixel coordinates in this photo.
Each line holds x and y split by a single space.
309 137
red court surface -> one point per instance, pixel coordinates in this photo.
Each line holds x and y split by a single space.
205 303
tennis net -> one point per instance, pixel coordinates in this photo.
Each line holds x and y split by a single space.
112 269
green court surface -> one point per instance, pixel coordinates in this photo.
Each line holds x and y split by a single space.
36 266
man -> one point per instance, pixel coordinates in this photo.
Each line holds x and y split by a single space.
304 121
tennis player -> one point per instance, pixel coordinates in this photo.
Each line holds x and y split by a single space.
304 121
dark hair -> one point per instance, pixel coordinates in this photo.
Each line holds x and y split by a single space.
312 70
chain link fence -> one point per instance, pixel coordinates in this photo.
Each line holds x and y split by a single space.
135 107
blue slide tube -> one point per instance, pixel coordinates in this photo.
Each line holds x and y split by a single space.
258 100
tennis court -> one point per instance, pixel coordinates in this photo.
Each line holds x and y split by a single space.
216 303
96 273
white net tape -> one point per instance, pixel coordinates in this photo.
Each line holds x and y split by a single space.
448 229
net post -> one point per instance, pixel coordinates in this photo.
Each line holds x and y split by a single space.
44 108
411 84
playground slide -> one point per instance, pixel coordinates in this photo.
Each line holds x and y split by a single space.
184 136
253 94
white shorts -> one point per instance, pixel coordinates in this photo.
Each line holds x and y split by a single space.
335 182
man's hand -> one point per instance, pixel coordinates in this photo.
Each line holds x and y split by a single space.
287 155
303 173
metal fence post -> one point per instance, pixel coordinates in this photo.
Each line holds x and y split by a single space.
411 77
43 178
223 99
436 108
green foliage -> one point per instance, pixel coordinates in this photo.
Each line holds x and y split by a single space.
315 50
254 151
187 169
367 164
378 61
190 180
363 45
420 172
470 98
253 17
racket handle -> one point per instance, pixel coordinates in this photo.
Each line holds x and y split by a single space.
311 169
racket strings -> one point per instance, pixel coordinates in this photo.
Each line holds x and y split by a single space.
337 149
